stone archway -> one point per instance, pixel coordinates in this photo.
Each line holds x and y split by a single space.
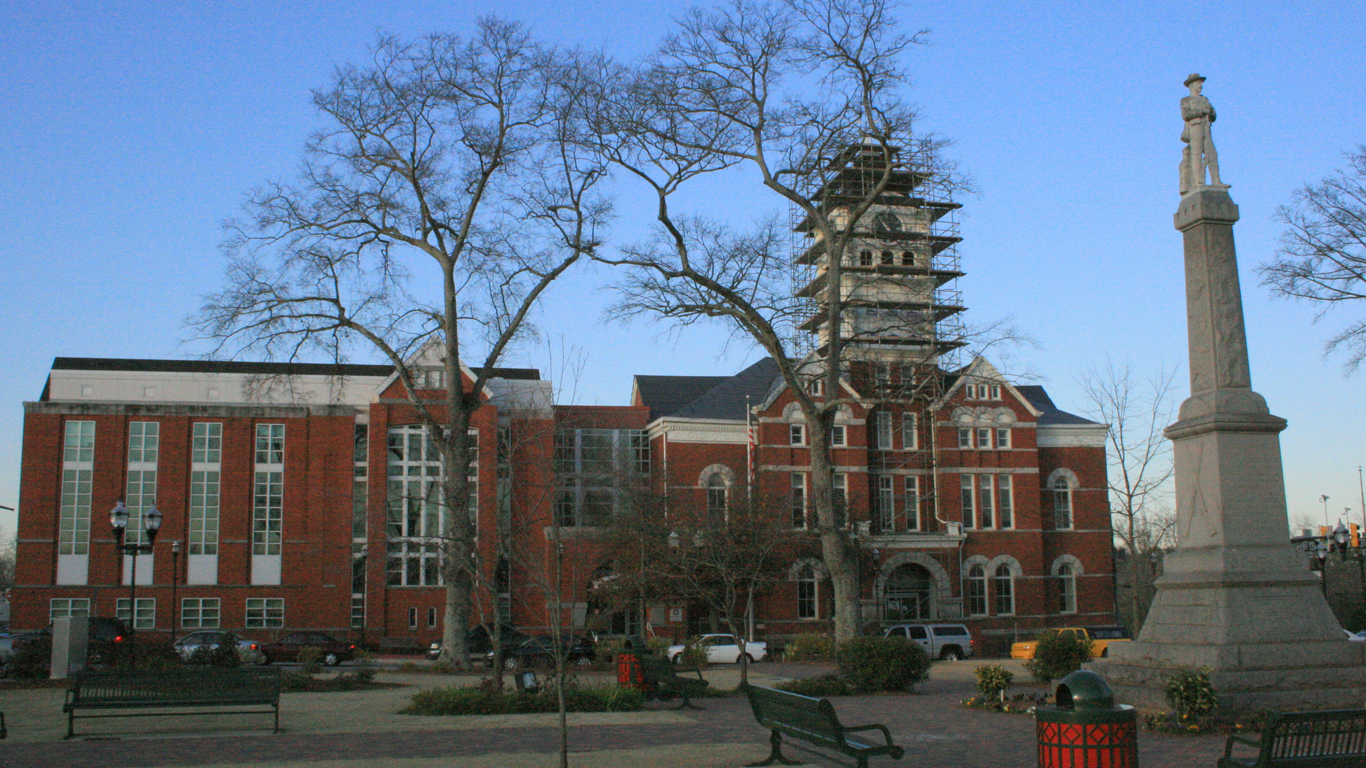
911 587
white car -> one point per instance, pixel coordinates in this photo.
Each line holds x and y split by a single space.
1356 637
722 649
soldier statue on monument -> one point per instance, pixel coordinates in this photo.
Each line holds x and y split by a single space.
1199 153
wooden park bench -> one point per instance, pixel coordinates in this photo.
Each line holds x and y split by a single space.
178 689
813 720
1319 739
663 682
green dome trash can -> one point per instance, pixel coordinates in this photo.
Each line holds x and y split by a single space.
1085 728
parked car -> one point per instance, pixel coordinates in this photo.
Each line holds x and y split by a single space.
1101 639
539 651
479 642
949 642
104 639
249 651
722 649
290 646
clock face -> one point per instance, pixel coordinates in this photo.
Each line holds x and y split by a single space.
887 222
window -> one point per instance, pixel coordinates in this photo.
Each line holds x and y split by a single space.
268 501
865 258
67 608
977 591
415 512
412 618
140 493
146 613
265 612
964 439
816 387
796 434
983 438
1067 589
884 431
200 612
839 491
884 504
716 498
1062 503
590 463
888 258
431 618
1005 591
908 258
985 506
969 516
882 377
798 500
1002 438
358 611
995 391
1005 502
910 432
808 594
837 436
912 503
78 470
206 455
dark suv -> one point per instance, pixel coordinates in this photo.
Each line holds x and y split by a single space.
106 637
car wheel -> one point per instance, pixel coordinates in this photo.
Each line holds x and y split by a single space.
676 659
510 663
951 654
583 662
331 660
266 660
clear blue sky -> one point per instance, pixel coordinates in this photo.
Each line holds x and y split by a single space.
131 130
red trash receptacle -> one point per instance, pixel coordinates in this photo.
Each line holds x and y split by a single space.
1086 729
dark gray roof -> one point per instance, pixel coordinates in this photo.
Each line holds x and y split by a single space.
1038 398
706 397
664 395
728 400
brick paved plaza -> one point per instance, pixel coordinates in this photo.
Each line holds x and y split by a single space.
364 729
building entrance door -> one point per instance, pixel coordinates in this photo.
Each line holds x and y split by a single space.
908 594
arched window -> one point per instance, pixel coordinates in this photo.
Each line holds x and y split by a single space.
716 498
808 594
977 591
1005 590
1067 589
1062 502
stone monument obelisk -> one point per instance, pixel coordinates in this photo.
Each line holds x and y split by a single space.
1235 597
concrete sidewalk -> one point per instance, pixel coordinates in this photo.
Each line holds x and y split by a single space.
363 728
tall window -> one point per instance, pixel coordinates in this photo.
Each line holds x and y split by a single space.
977 591
1005 590
589 464
884 504
839 483
78 469
1067 589
1002 438
206 456
796 434
265 612
415 510
837 436
912 503
964 438
808 594
967 497
1005 501
144 438
910 439
1062 503
200 612
985 506
267 515
884 431
716 498
984 438
798 499
146 614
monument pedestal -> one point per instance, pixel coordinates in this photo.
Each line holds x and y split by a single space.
1235 598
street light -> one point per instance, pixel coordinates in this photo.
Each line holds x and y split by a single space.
118 521
175 579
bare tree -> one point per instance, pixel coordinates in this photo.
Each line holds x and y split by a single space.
1322 257
1139 459
444 195
782 89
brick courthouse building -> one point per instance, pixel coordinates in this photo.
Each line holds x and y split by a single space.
293 495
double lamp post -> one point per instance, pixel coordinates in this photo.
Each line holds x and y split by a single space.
118 521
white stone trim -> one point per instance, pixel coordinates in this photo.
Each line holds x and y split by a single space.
1072 436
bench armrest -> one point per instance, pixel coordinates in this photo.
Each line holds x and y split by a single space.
1234 738
886 734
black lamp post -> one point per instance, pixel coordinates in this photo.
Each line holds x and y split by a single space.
118 521
175 580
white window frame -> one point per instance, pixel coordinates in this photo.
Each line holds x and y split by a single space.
967 499
986 501
1067 590
798 500
884 504
265 613
884 431
201 612
78 472
910 431
1002 438
796 434
140 491
976 597
965 438
1003 597
912 503
146 612
808 594
67 608
1005 502
1063 503
206 466
268 497
838 436
982 438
